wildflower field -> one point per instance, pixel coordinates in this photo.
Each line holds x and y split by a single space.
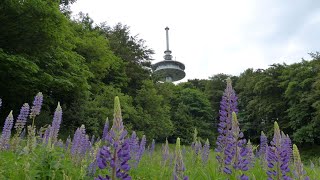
38 153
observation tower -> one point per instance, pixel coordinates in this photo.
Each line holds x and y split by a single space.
168 70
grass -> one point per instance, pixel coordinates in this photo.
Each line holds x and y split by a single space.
56 163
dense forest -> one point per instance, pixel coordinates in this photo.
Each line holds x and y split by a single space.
84 65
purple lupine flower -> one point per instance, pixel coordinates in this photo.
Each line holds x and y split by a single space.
92 168
287 144
20 124
262 153
179 168
151 150
105 130
236 153
57 118
76 142
165 152
85 144
141 150
244 177
105 159
278 156
0 102
299 172
80 144
94 153
36 107
239 144
263 145
197 147
228 105
250 154
124 157
6 132
22 118
134 147
205 152
117 154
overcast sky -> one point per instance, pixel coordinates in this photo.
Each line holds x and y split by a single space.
212 37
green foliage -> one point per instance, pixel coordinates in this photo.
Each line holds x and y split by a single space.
41 164
32 26
191 109
22 77
286 93
154 114
133 51
261 100
98 108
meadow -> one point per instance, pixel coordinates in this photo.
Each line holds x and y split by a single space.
37 153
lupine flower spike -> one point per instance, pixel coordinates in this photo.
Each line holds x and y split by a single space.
152 147
80 144
250 154
35 110
228 105
278 157
36 107
105 130
20 124
141 150
263 145
205 152
197 147
22 118
179 168
6 132
134 147
299 173
57 118
165 152
236 153
117 155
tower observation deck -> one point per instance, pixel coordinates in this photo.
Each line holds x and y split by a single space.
168 70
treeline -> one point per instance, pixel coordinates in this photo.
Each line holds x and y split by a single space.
84 66
288 94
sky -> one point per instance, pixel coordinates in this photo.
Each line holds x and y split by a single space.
212 37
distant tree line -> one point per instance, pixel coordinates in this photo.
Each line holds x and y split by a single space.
84 66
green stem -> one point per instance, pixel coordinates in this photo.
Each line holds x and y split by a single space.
114 170
33 122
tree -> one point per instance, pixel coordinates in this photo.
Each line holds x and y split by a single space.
154 114
300 84
37 42
261 100
133 52
191 109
